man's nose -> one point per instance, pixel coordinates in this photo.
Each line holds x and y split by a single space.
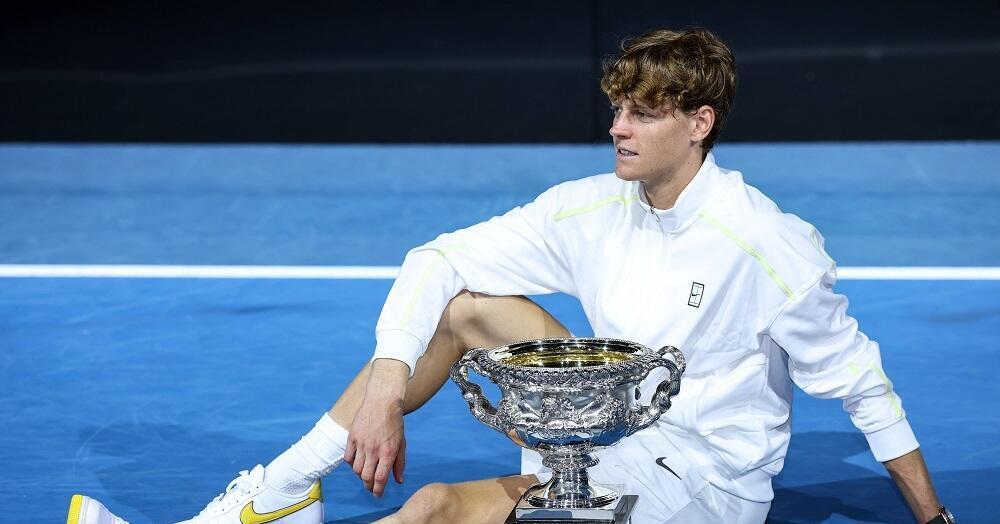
619 127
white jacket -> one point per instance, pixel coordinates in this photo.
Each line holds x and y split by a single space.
744 290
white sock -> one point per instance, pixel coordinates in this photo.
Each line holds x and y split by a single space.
314 456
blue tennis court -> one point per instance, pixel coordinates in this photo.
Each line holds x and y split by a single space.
150 394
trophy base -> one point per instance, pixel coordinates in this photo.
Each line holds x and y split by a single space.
618 512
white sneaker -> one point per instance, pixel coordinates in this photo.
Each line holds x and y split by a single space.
85 510
248 500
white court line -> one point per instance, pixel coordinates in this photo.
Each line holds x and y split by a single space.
390 272
153 271
918 273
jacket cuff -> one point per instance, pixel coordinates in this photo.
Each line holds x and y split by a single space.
892 441
398 345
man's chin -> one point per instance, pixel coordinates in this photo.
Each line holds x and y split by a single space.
627 176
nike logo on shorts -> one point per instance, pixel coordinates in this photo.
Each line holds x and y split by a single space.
660 462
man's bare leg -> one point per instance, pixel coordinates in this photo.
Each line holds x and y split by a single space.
478 502
470 320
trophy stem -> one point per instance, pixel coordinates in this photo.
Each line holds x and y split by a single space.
570 485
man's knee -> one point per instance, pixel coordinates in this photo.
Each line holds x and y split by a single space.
480 320
430 503
461 310
463 318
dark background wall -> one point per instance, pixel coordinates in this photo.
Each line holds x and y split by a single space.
450 71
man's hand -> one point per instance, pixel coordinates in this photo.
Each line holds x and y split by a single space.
376 443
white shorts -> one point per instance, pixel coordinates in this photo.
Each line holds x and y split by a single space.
667 473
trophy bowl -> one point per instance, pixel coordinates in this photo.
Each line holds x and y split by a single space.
565 398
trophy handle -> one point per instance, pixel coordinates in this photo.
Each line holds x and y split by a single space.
480 406
667 389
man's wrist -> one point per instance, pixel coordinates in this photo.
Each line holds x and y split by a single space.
943 517
390 365
387 380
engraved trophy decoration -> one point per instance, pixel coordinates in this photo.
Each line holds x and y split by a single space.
566 397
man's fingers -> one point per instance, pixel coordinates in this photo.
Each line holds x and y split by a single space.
381 475
350 451
359 462
368 473
399 464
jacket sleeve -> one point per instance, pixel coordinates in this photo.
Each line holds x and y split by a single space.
513 254
830 358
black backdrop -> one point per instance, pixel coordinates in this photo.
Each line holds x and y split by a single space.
449 71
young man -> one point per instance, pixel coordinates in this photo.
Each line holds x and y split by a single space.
670 249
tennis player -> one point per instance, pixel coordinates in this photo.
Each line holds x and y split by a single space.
670 249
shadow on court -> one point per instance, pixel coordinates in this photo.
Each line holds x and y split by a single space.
167 472
863 497
363 519
859 495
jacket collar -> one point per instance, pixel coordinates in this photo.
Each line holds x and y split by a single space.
694 197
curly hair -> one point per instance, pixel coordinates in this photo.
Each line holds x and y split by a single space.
687 69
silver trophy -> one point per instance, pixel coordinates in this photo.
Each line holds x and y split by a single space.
565 398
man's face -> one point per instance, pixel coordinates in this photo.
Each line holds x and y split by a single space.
651 143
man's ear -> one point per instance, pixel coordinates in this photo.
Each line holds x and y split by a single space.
701 123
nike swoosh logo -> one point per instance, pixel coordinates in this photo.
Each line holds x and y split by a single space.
659 462
249 516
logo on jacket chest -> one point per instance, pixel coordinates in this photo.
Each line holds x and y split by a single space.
697 291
